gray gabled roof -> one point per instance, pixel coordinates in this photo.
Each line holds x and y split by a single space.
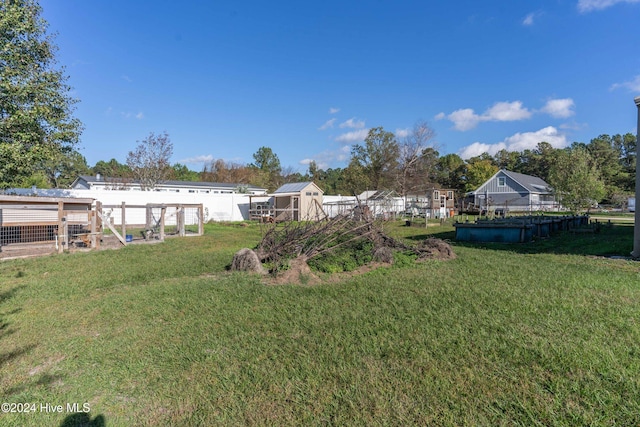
293 187
531 183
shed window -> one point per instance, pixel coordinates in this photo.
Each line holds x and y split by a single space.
308 193
315 193
502 181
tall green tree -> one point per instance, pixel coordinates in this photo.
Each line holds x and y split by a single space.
62 169
36 109
111 169
626 146
268 163
181 172
377 158
451 172
606 158
477 171
576 179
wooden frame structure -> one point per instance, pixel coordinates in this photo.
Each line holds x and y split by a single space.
62 221
152 220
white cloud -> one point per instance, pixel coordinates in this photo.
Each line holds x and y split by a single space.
325 159
589 5
529 19
506 112
529 140
631 85
402 133
127 78
466 119
440 116
352 123
354 136
333 110
559 108
128 114
328 124
517 142
204 158
478 148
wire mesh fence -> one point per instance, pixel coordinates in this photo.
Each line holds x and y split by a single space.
152 221
66 223
53 223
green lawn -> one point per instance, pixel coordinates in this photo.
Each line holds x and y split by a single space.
546 333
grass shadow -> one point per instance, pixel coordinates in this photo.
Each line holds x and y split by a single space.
614 240
7 329
83 419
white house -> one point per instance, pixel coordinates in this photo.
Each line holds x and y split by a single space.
98 182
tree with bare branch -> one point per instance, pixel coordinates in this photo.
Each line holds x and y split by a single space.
149 162
416 158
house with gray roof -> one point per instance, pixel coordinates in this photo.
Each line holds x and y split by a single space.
513 192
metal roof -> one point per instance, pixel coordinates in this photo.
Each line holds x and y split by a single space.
91 179
531 183
293 187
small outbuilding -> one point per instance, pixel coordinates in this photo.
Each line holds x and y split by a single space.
298 201
51 221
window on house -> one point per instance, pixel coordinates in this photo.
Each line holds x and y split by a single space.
308 193
436 194
315 193
502 181
449 195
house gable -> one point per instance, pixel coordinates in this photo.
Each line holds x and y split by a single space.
501 182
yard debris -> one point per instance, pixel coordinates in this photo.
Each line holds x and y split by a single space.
433 248
286 248
383 254
247 260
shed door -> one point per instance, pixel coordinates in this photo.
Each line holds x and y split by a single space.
443 207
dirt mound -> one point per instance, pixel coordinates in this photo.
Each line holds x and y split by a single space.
297 273
433 248
247 260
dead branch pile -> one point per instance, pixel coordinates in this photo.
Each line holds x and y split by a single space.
310 239
306 240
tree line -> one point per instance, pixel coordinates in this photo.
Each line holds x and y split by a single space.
602 170
39 138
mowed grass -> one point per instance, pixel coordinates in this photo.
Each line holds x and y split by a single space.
546 333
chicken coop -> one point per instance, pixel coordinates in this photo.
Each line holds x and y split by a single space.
49 223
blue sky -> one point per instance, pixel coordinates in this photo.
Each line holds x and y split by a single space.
308 79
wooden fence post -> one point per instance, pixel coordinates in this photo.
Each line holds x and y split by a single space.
163 211
61 227
124 221
181 221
